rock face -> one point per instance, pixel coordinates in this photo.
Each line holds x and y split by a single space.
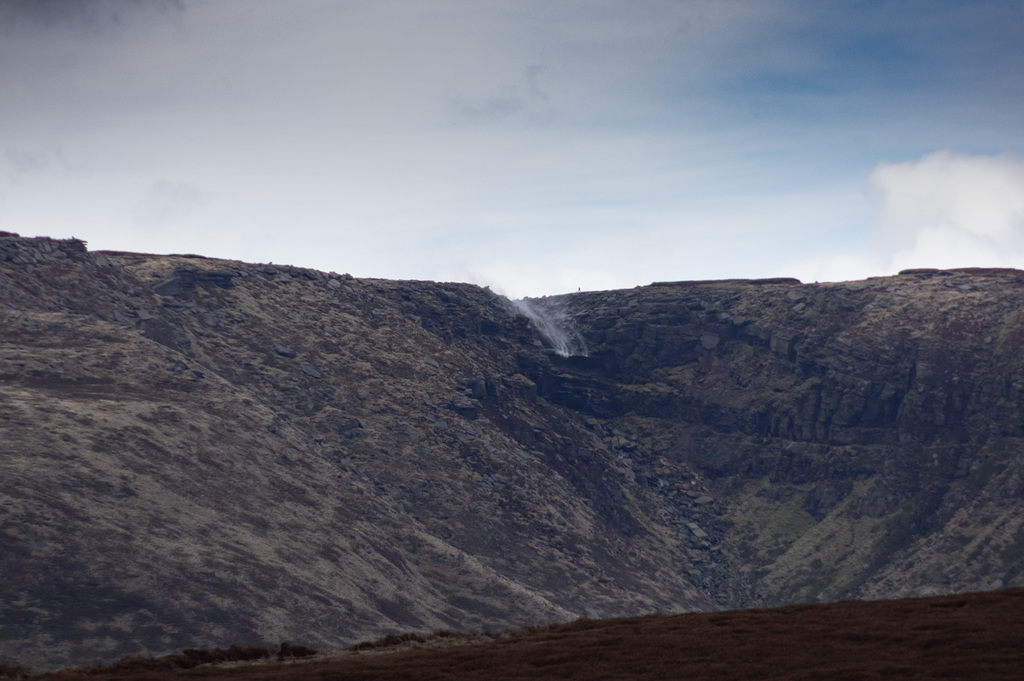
858 439
199 453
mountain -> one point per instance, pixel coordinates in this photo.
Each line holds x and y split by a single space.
199 452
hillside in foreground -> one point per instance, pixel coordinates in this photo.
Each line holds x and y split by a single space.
971 636
196 453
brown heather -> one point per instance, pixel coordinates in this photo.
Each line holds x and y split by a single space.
970 636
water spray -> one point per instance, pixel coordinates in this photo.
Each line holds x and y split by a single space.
555 325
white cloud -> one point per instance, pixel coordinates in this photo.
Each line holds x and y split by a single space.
945 210
934 207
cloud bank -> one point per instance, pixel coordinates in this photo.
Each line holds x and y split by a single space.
945 210
19 15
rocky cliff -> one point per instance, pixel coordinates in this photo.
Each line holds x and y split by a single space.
858 439
199 452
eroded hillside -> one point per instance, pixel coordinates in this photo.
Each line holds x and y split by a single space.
199 452
859 439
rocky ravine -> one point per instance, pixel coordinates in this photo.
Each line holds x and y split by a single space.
199 452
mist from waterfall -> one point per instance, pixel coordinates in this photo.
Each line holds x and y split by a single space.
554 323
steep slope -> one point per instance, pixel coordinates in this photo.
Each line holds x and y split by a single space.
199 452
860 439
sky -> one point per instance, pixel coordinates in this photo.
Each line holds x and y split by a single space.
536 146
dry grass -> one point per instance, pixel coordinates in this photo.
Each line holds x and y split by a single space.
972 636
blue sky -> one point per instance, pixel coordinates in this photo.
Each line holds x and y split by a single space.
538 147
